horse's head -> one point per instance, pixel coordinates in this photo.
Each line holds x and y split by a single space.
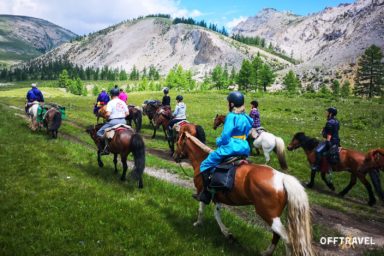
374 159
297 141
219 120
92 130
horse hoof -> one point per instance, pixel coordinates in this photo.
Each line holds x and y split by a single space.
341 194
309 185
123 179
197 223
101 164
231 238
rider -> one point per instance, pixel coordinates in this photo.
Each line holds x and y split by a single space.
117 110
255 115
123 96
180 112
166 99
331 135
231 143
33 95
102 100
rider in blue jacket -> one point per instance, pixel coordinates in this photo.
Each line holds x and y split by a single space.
33 94
231 143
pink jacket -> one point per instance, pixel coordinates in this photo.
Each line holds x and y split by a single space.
123 96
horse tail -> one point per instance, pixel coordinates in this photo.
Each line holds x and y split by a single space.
138 151
56 121
280 151
299 219
200 133
139 120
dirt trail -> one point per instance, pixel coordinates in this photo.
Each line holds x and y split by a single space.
347 225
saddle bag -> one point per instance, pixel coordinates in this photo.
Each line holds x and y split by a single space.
223 178
333 156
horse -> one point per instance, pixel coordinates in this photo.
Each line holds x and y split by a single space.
124 142
163 117
266 140
350 160
269 190
52 121
149 109
32 113
135 115
373 163
102 113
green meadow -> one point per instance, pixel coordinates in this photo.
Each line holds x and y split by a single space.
55 200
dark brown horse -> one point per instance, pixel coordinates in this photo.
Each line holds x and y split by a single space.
52 121
124 142
350 160
149 109
219 120
135 115
268 190
162 117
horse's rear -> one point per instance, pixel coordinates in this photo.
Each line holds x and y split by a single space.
52 121
32 112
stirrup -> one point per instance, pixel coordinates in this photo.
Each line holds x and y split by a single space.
105 151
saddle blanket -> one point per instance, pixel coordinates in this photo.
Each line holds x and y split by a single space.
180 124
110 132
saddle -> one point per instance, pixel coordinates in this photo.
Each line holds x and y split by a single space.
180 124
223 175
110 132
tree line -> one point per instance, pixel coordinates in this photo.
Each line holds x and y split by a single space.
201 23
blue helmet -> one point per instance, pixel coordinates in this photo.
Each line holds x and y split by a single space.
115 92
165 90
179 97
237 98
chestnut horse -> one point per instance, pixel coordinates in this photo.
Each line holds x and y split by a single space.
135 115
102 113
350 160
266 140
163 117
270 191
124 142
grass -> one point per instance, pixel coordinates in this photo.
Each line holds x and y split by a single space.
282 115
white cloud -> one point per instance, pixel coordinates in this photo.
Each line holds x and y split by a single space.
231 24
84 16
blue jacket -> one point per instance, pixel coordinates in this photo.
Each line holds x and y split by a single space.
103 97
234 125
35 95
332 128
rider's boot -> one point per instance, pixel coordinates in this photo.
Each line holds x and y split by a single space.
103 147
205 196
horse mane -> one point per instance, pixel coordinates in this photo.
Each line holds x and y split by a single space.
307 142
198 143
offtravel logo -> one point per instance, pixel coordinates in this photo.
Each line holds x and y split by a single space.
346 242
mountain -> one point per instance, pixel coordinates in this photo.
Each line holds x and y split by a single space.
156 41
23 38
328 40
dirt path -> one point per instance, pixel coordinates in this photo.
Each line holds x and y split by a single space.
346 225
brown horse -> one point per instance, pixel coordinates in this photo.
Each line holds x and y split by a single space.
219 120
373 163
350 160
52 121
135 115
149 109
268 190
102 113
124 142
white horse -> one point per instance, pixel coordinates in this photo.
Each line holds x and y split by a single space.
32 112
268 142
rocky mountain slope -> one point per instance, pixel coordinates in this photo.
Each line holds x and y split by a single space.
329 40
23 38
156 41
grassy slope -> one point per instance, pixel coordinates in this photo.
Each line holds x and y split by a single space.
278 116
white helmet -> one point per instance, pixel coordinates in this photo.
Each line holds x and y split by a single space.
34 85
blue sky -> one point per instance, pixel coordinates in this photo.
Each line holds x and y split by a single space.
85 16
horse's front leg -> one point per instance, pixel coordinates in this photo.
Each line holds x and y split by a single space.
266 155
125 166
372 199
223 228
200 215
99 158
115 162
327 182
154 132
352 182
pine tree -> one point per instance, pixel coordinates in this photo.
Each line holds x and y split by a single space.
95 90
335 87
63 79
369 77
267 76
217 77
345 89
245 75
257 64
291 82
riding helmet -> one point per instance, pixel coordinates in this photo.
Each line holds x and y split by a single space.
237 98
255 103
179 97
115 92
165 90
332 110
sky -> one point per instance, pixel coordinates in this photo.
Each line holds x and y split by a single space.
86 16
